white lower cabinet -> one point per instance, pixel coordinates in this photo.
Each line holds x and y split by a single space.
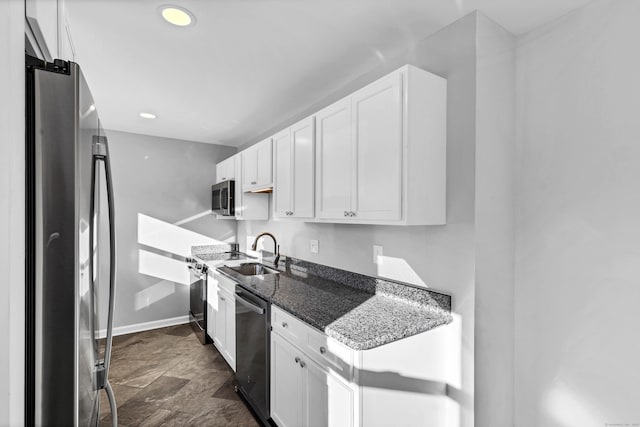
223 312
286 383
317 381
305 393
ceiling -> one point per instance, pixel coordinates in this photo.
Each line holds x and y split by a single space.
248 65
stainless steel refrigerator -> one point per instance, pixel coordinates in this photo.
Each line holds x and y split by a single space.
70 263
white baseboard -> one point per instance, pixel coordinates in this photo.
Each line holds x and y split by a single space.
146 326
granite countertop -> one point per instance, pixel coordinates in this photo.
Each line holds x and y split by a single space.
359 311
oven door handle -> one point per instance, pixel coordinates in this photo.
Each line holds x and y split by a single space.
247 304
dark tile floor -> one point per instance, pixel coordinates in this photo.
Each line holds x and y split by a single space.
165 377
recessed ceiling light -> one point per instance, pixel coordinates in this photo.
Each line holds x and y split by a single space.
148 115
177 15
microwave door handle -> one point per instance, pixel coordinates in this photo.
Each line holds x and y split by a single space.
224 199
216 199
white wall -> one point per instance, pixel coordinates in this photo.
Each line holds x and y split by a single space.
12 213
578 220
494 224
440 256
159 182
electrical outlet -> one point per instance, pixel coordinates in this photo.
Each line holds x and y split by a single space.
314 247
377 254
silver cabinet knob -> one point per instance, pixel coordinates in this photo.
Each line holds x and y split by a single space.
302 364
297 359
323 350
284 324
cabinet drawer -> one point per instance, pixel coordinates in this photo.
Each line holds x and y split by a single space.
225 284
327 352
286 325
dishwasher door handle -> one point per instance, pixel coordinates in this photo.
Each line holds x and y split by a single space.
247 304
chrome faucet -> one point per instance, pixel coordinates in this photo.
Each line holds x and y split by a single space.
276 246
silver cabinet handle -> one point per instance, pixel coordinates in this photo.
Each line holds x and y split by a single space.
224 179
253 182
346 213
352 214
297 359
222 299
323 350
284 324
302 364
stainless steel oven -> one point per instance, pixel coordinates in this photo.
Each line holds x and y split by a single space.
198 299
253 323
222 198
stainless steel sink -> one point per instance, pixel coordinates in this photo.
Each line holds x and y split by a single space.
253 269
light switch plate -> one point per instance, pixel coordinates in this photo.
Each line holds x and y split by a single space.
377 254
313 246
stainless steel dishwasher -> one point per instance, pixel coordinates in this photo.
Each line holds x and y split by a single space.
253 324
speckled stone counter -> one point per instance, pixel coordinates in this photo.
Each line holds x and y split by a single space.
359 311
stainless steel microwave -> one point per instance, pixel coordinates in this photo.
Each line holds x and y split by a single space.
222 202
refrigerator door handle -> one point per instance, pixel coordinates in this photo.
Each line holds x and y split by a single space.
101 153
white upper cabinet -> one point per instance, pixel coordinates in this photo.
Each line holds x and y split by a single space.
226 170
257 166
248 206
293 192
381 152
334 154
282 179
377 137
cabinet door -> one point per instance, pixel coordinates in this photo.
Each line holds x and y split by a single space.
238 200
377 119
328 400
282 183
302 172
220 337
212 306
225 170
230 334
316 395
334 160
286 384
264 163
249 167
